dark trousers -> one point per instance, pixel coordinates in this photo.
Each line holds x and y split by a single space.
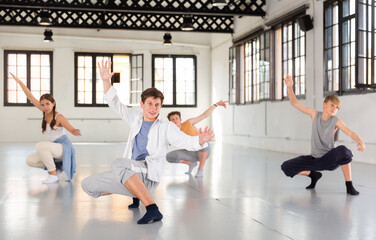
340 155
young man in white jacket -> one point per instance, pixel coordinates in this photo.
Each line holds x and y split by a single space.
137 174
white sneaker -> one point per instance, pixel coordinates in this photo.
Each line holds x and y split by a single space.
200 173
51 179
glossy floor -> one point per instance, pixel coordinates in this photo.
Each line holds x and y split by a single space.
243 195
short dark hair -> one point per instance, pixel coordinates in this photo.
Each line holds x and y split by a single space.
152 92
173 113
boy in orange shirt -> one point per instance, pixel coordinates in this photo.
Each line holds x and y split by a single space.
188 127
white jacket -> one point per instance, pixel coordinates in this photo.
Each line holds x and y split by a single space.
162 134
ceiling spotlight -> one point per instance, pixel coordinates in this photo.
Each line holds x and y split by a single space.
219 3
187 23
45 18
167 39
48 35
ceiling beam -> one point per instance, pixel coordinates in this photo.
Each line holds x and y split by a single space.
115 20
195 7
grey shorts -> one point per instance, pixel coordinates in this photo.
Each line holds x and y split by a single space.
113 181
182 154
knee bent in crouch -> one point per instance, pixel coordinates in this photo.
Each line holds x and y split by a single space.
172 157
89 188
284 167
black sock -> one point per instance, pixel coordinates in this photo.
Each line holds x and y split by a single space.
152 215
350 188
135 204
315 176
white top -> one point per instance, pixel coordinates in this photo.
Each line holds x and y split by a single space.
162 133
53 134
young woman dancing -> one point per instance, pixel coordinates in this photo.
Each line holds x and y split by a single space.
57 154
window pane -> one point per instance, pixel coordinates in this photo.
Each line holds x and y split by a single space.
45 85
278 65
21 97
12 97
12 84
45 72
336 80
184 80
45 60
21 59
35 72
35 60
328 16
35 84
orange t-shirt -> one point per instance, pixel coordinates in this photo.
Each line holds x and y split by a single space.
188 128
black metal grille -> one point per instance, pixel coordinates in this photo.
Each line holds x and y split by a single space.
234 7
164 15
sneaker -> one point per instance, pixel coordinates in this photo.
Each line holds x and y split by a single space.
51 179
191 167
200 173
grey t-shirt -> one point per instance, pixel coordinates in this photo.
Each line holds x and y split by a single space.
322 139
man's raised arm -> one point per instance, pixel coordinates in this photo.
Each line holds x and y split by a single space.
208 112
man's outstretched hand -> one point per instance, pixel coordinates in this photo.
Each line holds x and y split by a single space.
105 70
205 136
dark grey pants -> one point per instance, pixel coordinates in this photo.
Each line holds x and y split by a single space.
340 155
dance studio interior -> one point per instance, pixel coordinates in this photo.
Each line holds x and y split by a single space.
196 52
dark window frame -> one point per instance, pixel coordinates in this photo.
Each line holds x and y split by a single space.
92 54
94 72
174 57
240 59
262 49
135 68
370 84
359 87
294 21
28 77
341 91
234 83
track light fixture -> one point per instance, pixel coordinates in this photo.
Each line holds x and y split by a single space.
187 23
48 36
167 39
219 3
45 18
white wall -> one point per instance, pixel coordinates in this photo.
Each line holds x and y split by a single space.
276 125
22 124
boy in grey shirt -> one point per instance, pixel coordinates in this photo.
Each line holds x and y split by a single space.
324 154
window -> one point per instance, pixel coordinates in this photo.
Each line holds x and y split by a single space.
233 75
264 70
252 84
175 77
33 68
331 48
349 46
136 79
366 19
259 61
251 58
128 78
289 58
257 57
